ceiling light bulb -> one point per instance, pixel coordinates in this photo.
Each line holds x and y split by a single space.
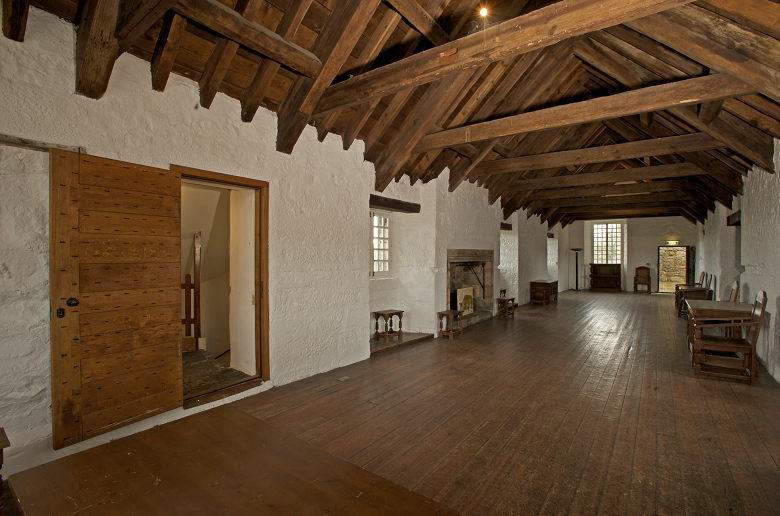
483 12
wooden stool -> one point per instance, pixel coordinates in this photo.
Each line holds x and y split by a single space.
387 315
451 315
506 307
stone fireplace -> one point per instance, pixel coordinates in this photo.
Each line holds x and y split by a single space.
471 268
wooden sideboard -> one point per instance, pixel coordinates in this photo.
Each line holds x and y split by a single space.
605 277
544 291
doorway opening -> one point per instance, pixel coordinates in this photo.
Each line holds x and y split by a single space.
672 267
223 270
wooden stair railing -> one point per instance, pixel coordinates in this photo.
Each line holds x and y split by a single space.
191 320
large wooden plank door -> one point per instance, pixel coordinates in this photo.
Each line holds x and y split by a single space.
115 259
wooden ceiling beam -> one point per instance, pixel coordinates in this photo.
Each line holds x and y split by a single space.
97 49
364 62
642 69
551 75
15 19
634 174
760 15
432 106
165 49
624 214
631 130
231 25
496 74
137 17
709 111
499 42
653 98
266 70
421 20
719 44
345 24
605 201
406 47
663 205
222 55
658 146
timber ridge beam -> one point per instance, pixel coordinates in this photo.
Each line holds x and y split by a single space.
387 204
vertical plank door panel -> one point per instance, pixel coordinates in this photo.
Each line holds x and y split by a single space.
116 250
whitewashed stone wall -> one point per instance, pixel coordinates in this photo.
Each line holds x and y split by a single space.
644 237
410 286
719 250
507 269
464 220
760 257
318 240
531 255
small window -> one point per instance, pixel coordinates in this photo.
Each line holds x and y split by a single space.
380 243
607 243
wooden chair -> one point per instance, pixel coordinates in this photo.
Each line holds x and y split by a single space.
681 289
730 357
642 277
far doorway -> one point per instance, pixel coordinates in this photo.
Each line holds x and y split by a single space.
673 266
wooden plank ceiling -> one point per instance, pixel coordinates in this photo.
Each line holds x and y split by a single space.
569 110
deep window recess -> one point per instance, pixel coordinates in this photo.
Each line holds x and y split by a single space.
380 243
607 243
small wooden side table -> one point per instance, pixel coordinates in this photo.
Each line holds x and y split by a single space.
3 445
387 315
452 316
506 307
544 291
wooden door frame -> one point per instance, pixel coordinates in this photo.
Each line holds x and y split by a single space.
261 274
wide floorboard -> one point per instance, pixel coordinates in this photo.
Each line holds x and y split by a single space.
587 406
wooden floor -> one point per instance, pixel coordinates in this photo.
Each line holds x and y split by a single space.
587 406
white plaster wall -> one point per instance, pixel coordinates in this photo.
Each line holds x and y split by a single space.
464 220
25 395
242 281
531 255
508 266
317 246
565 255
719 251
644 237
760 257
410 286
577 241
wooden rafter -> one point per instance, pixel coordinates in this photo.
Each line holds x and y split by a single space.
136 17
96 47
15 18
659 146
222 55
165 50
233 26
493 44
653 98
333 45
267 69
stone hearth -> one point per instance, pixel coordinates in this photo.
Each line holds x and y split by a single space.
472 268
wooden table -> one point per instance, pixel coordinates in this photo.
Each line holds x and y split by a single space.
388 315
544 291
506 306
221 461
683 294
451 316
701 311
